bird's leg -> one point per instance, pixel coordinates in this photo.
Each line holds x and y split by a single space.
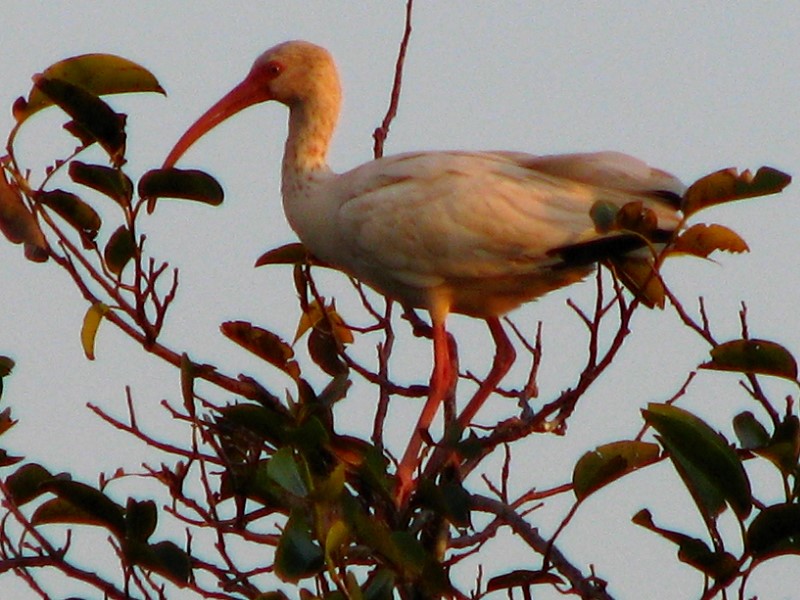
504 357
441 383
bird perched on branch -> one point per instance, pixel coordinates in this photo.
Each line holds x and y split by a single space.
476 233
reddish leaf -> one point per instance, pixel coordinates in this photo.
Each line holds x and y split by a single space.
6 366
92 114
727 185
288 254
119 250
6 422
186 184
73 210
106 180
18 224
324 351
316 316
80 503
264 344
25 484
641 278
636 217
701 240
693 551
7 460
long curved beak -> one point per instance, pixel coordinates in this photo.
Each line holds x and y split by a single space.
247 93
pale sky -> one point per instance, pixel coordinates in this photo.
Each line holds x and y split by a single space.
689 87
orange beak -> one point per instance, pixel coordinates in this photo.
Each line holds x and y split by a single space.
251 90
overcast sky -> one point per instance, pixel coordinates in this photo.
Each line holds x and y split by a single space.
689 87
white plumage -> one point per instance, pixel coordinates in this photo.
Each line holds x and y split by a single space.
467 232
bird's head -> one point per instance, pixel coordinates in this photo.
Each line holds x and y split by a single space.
293 73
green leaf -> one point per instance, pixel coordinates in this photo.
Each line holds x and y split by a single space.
284 470
309 437
106 180
25 484
380 585
99 74
410 556
94 116
140 519
709 467
337 540
728 185
329 488
604 215
186 184
80 503
750 432
297 556
73 210
753 356
18 223
775 531
119 250
264 344
288 254
91 323
702 240
352 588
608 463
259 419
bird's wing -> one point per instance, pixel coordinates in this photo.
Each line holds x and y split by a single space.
613 170
426 218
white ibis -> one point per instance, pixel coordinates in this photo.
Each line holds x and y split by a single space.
462 232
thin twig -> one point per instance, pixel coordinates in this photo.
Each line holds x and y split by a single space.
380 134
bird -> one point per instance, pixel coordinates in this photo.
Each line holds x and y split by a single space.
474 233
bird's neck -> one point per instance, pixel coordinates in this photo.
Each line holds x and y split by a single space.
305 156
307 201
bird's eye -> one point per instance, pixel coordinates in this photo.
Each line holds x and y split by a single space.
273 68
